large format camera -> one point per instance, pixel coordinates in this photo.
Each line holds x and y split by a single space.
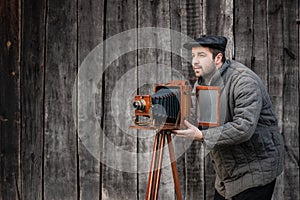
171 103
165 109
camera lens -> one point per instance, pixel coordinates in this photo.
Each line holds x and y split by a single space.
139 105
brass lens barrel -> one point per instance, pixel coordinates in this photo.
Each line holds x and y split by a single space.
139 105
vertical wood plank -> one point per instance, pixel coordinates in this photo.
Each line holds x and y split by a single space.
90 34
10 31
157 69
120 170
175 24
287 186
60 167
32 102
275 56
243 31
264 41
218 20
259 57
193 25
195 172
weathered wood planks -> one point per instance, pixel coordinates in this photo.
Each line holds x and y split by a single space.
10 123
43 154
288 185
60 145
32 102
90 34
120 178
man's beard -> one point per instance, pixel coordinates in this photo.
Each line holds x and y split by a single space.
206 76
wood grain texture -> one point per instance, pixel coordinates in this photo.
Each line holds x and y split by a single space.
120 172
193 24
243 31
288 187
259 47
10 119
275 45
42 44
60 149
90 34
32 102
275 56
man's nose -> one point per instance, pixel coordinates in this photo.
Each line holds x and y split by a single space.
195 61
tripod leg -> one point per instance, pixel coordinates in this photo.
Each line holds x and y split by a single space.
156 164
159 164
152 167
174 168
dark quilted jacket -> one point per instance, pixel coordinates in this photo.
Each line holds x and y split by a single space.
247 149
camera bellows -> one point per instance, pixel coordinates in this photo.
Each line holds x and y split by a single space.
166 109
166 104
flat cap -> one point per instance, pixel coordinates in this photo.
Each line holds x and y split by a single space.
216 42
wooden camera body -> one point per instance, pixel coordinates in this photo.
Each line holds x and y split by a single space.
170 105
166 109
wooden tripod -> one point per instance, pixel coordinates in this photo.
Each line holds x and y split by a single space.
156 163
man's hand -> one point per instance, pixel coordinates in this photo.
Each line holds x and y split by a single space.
192 132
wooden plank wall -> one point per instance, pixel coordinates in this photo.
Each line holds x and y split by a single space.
10 40
43 43
89 36
32 103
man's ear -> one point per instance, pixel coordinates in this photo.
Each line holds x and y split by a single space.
218 58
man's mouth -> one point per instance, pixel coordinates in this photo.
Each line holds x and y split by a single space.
197 67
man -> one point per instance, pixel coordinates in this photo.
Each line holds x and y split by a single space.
247 148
